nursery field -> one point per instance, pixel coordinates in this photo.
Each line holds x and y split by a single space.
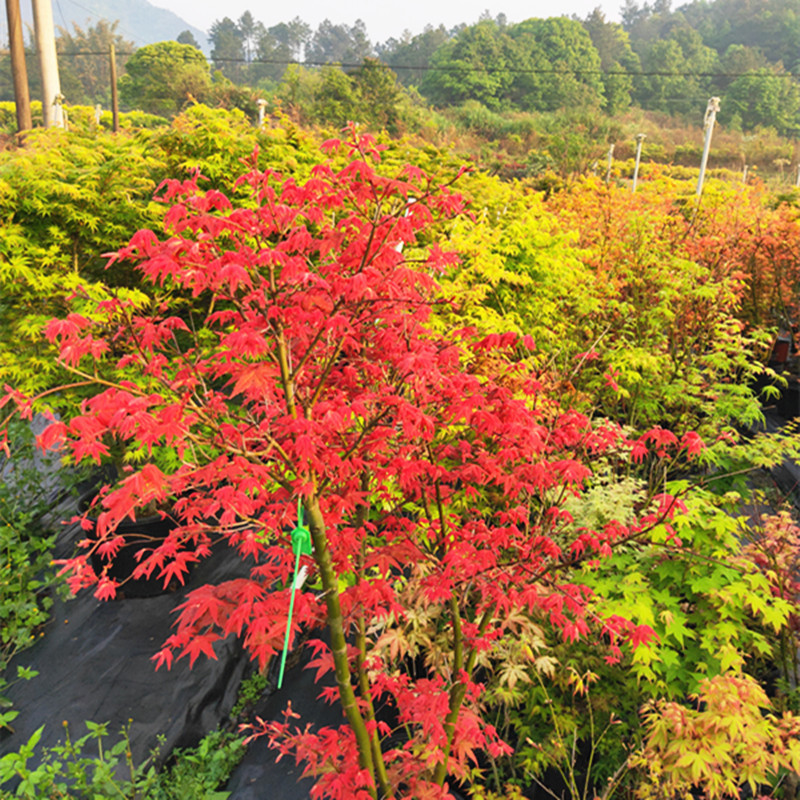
500 464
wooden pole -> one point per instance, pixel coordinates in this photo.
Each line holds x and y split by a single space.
114 99
19 71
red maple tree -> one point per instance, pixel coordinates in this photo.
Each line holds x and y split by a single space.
286 353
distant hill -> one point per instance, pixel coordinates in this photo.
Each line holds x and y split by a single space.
140 21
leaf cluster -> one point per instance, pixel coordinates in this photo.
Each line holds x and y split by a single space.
28 581
429 470
481 544
730 739
69 770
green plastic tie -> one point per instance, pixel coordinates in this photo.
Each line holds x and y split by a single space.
301 546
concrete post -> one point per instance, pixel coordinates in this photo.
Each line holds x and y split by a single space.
62 110
708 126
609 163
640 137
46 45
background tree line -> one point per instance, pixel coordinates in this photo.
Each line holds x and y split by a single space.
657 59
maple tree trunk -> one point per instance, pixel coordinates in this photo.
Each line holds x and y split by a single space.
330 587
369 754
457 692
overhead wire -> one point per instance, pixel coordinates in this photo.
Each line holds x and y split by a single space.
99 17
376 63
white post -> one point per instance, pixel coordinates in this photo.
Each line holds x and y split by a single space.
48 61
640 137
744 174
610 161
262 108
61 110
708 126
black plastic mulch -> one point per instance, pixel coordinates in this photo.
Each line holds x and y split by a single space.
94 663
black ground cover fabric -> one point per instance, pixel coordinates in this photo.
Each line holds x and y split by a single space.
94 663
260 776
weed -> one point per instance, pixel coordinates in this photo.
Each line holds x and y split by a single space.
68 770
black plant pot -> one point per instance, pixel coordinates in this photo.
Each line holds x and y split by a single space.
146 533
788 405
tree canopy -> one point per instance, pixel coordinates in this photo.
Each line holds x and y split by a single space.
87 78
162 77
658 59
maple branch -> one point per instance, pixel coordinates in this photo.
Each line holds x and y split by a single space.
439 503
552 565
366 697
283 359
458 639
334 356
197 406
317 336
354 446
77 385
425 506
286 376
323 378
374 222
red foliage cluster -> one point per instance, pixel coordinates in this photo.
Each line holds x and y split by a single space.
286 354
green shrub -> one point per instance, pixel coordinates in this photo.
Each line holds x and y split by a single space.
28 581
68 770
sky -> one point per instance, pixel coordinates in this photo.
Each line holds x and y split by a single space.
383 19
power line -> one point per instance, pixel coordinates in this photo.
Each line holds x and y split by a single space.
461 69
100 18
61 14
375 64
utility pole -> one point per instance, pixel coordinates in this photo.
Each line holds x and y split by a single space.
19 71
114 99
708 127
46 45
640 137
